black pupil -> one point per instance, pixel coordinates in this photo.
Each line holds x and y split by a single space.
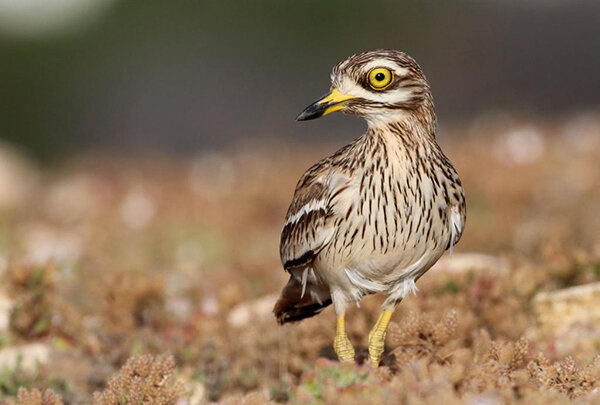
379 77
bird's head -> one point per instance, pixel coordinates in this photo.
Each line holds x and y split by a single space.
380 86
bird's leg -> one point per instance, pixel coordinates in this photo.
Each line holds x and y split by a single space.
377 337
341 344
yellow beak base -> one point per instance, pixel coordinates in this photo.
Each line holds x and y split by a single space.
332 102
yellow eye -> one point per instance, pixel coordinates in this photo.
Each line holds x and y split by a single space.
380 78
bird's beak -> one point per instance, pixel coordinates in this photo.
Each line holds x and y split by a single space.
332 102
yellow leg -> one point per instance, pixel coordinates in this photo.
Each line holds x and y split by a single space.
341 344
377 337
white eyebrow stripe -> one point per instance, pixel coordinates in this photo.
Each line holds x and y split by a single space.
398 71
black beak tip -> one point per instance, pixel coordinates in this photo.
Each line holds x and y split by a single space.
303 116
311 112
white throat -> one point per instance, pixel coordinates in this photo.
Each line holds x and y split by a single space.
380 120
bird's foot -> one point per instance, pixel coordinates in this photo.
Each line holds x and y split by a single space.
377 338
376 346
343 348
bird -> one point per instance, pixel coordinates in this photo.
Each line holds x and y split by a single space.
377 214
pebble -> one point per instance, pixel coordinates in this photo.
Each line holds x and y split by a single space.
29 356
244 313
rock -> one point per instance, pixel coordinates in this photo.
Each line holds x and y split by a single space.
520 146
582 133
179 307
570 317
137 209
29 356
483 399
196 390
198 394
71 199
244 313
465 262
43 243
17 178
212 175
210 306
5 307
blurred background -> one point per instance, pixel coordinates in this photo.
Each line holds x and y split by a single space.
181 76
148 155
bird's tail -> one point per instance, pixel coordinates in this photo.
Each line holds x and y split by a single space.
294 304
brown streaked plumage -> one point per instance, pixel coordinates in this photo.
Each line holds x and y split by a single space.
378 213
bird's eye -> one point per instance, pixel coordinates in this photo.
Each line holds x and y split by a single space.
380 78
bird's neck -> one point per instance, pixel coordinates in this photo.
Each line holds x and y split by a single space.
416 126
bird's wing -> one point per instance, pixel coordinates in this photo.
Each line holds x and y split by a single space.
310 221
457 209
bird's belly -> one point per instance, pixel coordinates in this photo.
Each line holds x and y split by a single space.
370 271
382 253
388 266
391 225
394 237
